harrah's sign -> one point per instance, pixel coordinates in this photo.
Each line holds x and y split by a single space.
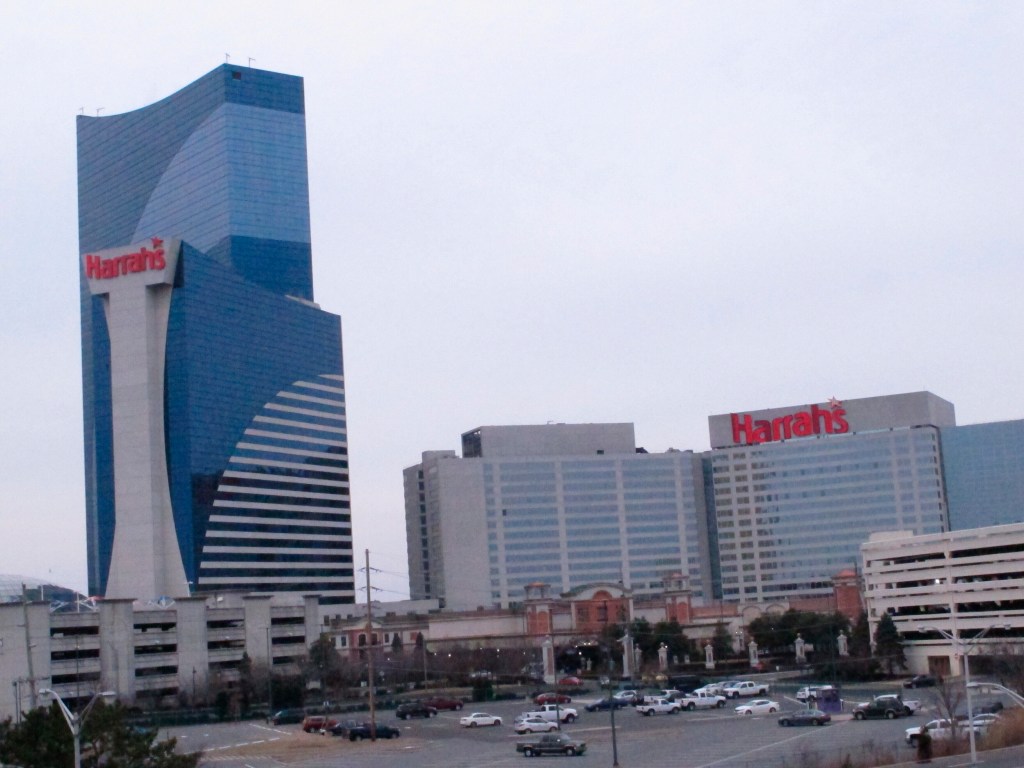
829 421
142 260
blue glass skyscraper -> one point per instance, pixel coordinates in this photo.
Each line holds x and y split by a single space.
215 431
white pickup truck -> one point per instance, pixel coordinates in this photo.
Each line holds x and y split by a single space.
701 700
657 706
553 712
745 688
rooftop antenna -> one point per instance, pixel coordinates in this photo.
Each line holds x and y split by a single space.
98 110
227 57
251 60
81 110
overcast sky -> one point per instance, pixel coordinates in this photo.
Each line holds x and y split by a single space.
556 211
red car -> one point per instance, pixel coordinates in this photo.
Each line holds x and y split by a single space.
570 682
444 702
551 697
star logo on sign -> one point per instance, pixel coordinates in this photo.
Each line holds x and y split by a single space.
833 403
157 242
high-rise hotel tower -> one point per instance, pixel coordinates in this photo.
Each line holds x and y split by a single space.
215 433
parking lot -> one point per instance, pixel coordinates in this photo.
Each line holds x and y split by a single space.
699 739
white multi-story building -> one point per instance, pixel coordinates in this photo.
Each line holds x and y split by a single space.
564 504
148 653
968 584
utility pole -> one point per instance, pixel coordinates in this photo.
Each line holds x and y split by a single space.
369 657
28 648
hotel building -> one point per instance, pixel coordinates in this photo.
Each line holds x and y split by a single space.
214 398
563 504
777 507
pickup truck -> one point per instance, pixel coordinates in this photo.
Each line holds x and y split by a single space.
655 706
552 744
553 712
701 700
745 688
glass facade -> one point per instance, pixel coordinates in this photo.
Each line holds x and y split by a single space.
789 516
567 521
254 409
984 472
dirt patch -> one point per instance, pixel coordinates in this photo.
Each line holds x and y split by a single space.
305 746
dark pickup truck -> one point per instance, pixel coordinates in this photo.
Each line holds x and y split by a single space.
552 744
356 731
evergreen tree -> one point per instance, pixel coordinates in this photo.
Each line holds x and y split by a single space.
860 638
889 645
43 740
721 641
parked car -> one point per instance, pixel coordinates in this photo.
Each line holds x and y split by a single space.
921 681
745 688
605 704
354 731
444 702
758 707
711 689
552 744
534 724
570 682
288 716
941 728
805 717
629 695
479 718
318 723
551 697
414 709
343 727
656 706
889 707
686 683
910 706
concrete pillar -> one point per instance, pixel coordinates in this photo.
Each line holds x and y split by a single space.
193 648
117 648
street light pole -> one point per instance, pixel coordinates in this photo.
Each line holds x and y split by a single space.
75 721
1017 698
964 647
270 676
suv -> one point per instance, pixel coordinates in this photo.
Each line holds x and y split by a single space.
414 709
287 716
317 723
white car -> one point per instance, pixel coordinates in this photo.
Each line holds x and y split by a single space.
535 725
479 718
629 695
758 707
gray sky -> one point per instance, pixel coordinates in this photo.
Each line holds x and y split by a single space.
566 211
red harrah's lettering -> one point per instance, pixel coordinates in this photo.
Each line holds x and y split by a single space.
140 261
746 431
